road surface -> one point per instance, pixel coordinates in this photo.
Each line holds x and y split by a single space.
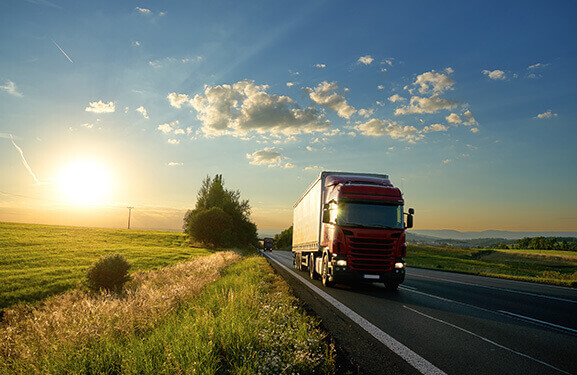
440 322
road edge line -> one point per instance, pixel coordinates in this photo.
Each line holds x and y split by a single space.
415 360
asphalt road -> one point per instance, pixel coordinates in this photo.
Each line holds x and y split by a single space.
441 322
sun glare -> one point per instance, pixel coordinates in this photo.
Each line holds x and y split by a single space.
85 182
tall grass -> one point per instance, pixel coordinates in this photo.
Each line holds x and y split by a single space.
244 322
37 261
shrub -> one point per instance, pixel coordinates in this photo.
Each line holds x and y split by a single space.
109 273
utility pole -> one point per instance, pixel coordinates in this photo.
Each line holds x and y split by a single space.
129 210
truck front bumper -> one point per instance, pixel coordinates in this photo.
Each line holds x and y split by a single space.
346 275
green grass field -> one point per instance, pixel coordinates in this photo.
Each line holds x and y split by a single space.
551 267
41 260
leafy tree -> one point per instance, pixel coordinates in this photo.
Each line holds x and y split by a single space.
220 217
284 239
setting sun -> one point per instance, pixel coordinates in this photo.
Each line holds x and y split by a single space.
85 182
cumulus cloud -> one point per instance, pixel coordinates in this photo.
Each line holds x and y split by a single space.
546 115
396 98
167 128
177 100
143 10
290 84
10 88
270 157
100 107
367 60
454 119
434 82
143 112
321 66
365 112
377 128
470 118
174 141
495 74
435 128
325 94
427 105
243 107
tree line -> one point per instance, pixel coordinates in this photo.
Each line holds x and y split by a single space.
547 243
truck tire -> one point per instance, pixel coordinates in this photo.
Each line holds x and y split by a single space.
312 271
325 272
298 262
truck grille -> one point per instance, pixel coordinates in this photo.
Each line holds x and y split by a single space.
371 254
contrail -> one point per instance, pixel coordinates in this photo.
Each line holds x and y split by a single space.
61 50
24 160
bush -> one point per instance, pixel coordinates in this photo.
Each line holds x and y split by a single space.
109 273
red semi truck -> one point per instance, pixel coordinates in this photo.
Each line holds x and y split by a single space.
350 226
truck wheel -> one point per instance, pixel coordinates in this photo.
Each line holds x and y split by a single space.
325 272
312 272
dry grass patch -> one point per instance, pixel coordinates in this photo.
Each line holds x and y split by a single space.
34 335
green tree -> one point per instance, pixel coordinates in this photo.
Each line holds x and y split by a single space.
284 239
220 217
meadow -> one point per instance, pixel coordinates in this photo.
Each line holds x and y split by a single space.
206 312
544 266
37 261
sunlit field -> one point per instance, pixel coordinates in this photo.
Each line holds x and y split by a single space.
41 260
551 267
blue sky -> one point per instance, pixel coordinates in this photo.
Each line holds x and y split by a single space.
470 108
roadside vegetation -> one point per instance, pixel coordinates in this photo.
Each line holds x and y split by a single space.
37 261
284 240
214 314
544 266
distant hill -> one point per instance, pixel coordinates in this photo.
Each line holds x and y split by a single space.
495 234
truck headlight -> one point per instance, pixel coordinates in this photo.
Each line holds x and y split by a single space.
399 265
342 263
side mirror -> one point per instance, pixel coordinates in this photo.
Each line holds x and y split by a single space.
411 211
326 215
409 221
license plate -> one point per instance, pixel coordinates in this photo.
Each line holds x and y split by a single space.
371 277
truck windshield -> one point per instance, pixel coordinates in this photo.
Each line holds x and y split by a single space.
370 215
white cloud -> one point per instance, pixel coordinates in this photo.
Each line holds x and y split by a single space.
325 95
434 82
447 161
87 125
495 74
380 87
427 105
314 168
143 10
167 128
175 164
243 107
474 130
157 64
396 98
270 157
367 60
321 66
537 66
366 112
10 88
173 141
177 100
142 111
101 107
470 118
546 115
377 128
454 119
136 43
435 128
290 84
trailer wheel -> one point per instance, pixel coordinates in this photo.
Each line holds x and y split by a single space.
298 262
312 271
325 272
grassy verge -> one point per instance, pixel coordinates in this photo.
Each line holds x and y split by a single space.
211 315
37 261
535 266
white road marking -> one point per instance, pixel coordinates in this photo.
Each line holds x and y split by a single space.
487 340
503 289
415 360
538 321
